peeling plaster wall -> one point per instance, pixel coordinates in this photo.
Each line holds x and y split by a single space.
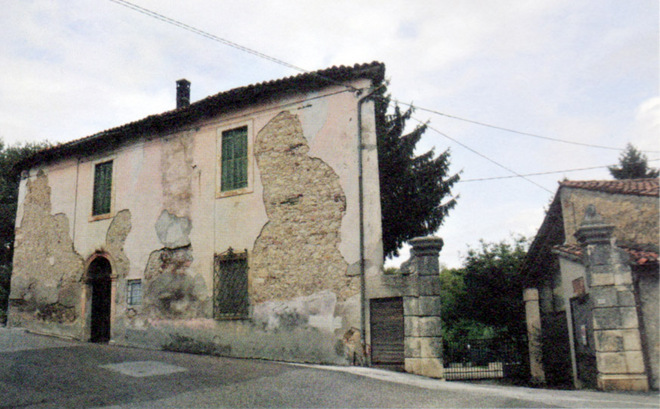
299 222
46 282
170 290
297 251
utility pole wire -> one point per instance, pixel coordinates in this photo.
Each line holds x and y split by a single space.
256 53
229 43
484 156
543 173
501 128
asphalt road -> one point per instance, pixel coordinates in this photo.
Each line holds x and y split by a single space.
44 372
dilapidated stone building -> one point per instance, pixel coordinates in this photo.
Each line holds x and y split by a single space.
592 273
245 224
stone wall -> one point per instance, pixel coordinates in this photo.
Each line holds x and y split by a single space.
623 211
297 252
46 284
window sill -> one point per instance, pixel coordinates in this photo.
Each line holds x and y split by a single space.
101 217
236 192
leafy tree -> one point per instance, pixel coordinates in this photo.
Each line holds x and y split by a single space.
412 187
633 165
494 285
9 156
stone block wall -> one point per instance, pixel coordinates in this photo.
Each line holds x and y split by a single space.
617 210
619 355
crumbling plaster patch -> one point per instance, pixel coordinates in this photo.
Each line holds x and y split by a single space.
47 271
115 238
297 252
173 231
177 173
315 311
170 291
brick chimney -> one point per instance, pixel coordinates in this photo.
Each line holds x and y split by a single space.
182 93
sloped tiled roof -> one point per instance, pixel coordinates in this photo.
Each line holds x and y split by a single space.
223 102
638 257
638 187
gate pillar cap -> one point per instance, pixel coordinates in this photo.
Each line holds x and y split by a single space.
427 246
593 229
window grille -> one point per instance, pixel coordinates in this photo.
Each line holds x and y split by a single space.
234 159
102 202
134 292
230 282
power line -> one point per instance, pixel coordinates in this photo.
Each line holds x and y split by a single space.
484 156
542 173
501 128
221 40
259 54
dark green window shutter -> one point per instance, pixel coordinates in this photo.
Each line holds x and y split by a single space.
102 188
234 159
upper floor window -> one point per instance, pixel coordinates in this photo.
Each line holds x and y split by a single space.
102 202
234 159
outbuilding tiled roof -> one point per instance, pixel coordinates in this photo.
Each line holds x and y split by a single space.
638 257
223 102
639 187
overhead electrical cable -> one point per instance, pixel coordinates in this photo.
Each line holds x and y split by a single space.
259 54
221 40
501 128
484 156
542 173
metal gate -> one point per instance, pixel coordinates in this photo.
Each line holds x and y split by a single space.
387 337
489 358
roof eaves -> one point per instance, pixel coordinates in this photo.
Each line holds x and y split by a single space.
222 102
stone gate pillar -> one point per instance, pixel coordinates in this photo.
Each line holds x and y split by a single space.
533 318
421 309
619 355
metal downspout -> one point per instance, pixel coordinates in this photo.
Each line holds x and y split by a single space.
363 295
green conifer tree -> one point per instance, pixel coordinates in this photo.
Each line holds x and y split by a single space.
415 189
633 164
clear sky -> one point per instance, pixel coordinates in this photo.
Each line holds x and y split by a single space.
579 70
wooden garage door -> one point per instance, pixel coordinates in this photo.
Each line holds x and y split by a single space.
387 333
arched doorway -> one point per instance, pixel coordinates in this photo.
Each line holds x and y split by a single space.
98 273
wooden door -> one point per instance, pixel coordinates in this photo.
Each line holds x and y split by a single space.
387 333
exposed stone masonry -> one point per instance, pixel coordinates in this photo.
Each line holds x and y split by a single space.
297 252
47 270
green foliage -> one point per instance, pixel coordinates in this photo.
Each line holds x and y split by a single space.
412 187
484 297
494 284
633 164
463 329
9 156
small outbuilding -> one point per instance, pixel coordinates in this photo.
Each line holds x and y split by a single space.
592 278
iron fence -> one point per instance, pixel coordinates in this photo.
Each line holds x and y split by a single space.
490 358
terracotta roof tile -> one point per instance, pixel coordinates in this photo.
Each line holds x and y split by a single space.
638 257
236 98
639 187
